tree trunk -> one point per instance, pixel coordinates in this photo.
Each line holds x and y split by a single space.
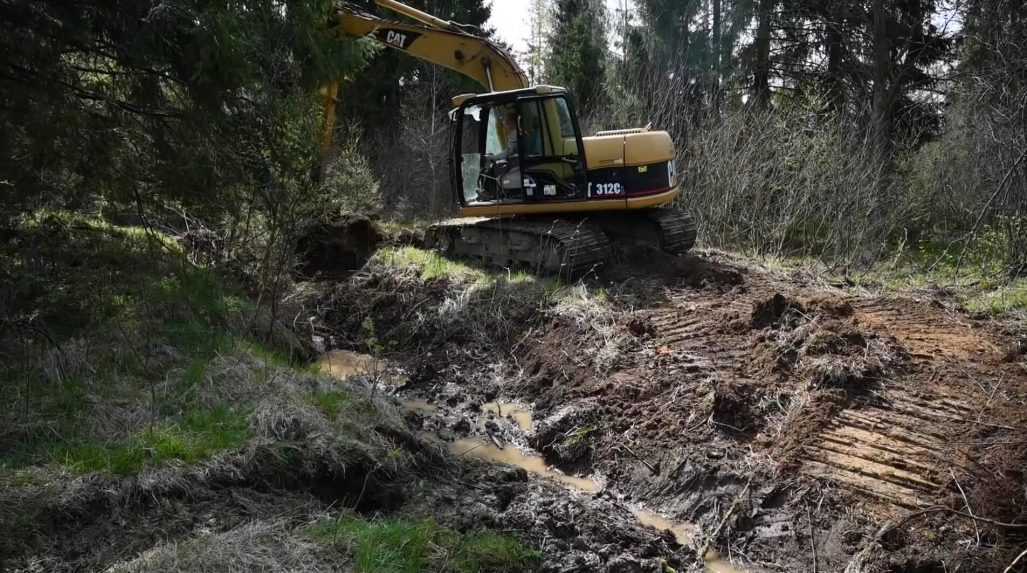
835 83
716 56
882 71
761 60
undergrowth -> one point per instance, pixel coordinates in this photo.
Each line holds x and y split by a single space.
973 272
106 344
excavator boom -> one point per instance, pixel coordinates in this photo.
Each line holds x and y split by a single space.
437 41
433 40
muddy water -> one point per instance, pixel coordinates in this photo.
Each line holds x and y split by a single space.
479 449
518 414
342 364
683 532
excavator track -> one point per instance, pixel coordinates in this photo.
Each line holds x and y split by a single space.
567 246
668 229
564 247
676 230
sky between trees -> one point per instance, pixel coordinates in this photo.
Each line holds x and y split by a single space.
510 18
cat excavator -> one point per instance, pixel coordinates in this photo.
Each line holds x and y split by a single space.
531 190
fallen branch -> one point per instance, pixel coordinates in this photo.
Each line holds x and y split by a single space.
723 521
639 458
968 508
1015 561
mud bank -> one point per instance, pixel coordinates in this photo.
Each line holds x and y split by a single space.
779 423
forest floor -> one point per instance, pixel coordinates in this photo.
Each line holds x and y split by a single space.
685 413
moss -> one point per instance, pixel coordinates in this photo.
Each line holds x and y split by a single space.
272 356
409 546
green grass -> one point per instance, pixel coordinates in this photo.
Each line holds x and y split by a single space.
1005 299
409 546
196 437
433 266
332 403
141 315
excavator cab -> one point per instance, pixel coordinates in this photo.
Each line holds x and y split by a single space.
516 147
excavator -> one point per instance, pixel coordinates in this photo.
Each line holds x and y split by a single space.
531 190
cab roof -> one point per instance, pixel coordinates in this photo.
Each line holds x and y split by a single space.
511 94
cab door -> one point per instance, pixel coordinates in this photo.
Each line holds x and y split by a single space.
549 143
488 153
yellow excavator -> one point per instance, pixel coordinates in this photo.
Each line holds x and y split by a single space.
530 189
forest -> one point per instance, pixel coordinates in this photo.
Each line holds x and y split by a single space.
232 339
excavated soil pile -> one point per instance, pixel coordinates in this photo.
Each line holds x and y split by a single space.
329 249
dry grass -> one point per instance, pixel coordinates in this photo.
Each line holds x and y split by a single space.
268 545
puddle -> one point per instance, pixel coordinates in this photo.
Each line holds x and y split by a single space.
479 449
419 406
684 533
520 415
343 364
717 564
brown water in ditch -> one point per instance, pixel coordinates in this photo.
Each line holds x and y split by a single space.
479 449
683 532
342 364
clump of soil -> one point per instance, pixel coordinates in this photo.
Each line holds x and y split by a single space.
567 438
776 311
732 406
345 244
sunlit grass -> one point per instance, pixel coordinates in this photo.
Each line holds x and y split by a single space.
412 546
197 436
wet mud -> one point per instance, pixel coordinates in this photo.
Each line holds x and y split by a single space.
775 421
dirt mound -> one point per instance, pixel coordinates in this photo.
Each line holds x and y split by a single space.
331 249
776 311
630 263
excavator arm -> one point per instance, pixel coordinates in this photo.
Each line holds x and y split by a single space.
433 40
437 41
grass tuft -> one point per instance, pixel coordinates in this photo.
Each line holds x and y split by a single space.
408 546
1005 299
199 435
433 266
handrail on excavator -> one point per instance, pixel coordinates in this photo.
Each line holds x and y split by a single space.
415 14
